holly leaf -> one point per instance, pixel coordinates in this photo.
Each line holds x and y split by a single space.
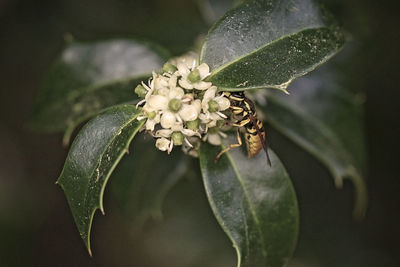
94 154
269 43
89 77
254 203
325 119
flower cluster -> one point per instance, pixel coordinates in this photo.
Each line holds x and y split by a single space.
180 107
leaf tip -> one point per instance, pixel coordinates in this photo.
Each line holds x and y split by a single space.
102 210
89 250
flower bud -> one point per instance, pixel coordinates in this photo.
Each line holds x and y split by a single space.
193 125
168 67
140 91
213 106
177 138
174 105
162 144
194 76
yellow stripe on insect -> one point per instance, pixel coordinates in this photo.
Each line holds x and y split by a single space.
255 134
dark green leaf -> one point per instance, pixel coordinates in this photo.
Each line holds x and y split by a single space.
139 186
89 77
268 43
93 156
326 120
254 203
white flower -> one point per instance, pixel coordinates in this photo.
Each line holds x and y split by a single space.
212 105
220 102
171 134
192 77
190 112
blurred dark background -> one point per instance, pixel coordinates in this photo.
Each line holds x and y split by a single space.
36 226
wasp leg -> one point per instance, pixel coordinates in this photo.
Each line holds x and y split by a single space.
230 146
241 123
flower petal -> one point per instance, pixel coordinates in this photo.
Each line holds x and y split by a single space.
150 125
210 94
202 85
168 119
214 139
185 84
176 92
189 112
163 144
183 69
163 133
158 102
223 103
204 70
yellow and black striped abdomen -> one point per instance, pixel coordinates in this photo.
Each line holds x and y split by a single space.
254 138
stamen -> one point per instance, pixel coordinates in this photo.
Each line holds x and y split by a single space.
188 143
146 87
179 119
140 102
171 145
222 115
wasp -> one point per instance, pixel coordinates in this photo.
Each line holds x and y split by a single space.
244 115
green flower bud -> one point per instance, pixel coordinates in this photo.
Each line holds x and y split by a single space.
174 105
168 67
140 91
194 76
193 125
151 115
177 138
213 106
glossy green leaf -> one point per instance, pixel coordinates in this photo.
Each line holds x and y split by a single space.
93 156
255 204
140 187
326 120
268 43
89 77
